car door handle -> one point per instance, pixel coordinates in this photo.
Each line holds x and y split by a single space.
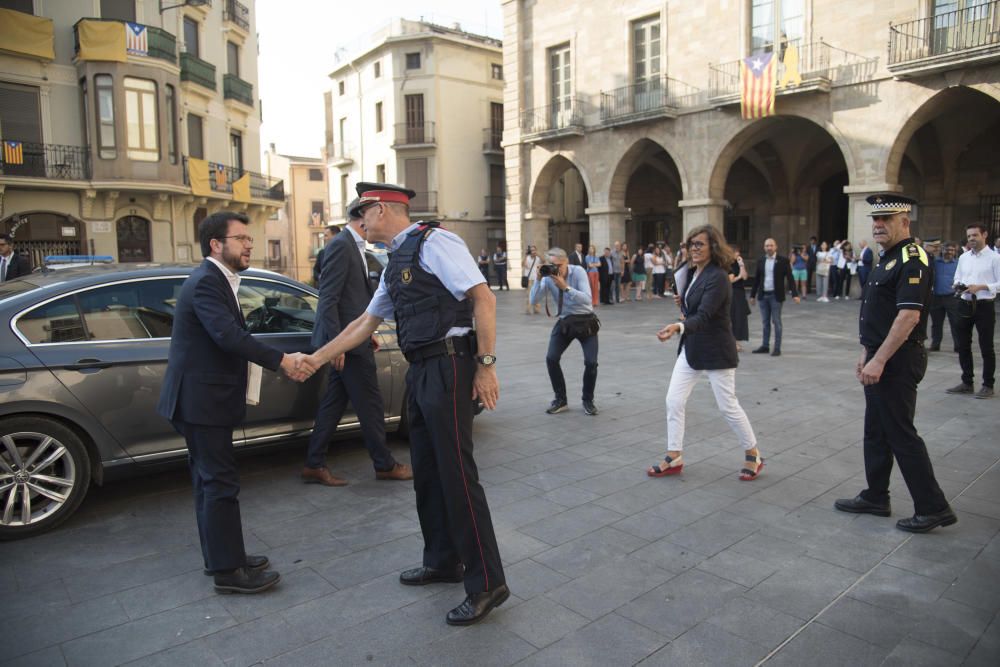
87 364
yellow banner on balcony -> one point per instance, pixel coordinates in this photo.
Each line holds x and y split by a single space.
241 188
26 35
101 40
201 185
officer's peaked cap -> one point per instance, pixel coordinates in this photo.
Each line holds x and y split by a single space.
888 203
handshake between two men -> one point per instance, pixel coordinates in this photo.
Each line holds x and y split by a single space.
300 366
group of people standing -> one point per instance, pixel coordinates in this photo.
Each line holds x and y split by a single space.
617 274
833 266
499 260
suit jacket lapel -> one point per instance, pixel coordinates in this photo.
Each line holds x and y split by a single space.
234 304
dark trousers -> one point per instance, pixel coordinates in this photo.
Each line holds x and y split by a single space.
359 383
216 494
889 433
836 280
501 272
616 287
770 312
810 272
659 283
605 281
863 273
943 306
846 280
454 516
983 321
558 342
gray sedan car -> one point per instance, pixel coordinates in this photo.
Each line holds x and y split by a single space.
82 357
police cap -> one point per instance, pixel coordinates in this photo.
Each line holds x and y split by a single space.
888 203
369 193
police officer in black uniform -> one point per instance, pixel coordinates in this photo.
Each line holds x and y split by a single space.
434 290
893 328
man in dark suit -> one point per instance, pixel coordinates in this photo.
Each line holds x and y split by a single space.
204 395
328 234
605 274
12 265
811 249
773 273
344 294
576 258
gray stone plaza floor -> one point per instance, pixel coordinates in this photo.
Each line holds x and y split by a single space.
606 566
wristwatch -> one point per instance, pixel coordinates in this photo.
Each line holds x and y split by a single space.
487 359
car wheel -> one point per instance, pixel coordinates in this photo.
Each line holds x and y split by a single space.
44 475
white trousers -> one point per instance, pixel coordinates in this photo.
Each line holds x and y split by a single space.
682 382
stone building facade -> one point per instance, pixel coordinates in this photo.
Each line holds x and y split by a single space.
103 106
623 121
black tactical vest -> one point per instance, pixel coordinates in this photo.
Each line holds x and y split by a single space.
424 308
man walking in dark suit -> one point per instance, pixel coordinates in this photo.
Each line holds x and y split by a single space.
344 293
577 256
773 273
12 265
204 395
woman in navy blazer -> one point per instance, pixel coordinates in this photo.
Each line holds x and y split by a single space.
707 344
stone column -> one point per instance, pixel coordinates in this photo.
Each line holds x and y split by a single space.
859 224
697 212
607 225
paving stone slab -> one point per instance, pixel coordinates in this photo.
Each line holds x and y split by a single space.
611 640
706 644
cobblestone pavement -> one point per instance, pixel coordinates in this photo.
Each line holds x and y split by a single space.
606 566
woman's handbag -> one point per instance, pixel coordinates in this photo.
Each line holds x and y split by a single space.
524 282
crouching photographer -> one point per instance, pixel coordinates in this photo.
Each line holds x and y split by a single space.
570 289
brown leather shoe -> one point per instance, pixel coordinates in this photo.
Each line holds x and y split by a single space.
400 471
321 476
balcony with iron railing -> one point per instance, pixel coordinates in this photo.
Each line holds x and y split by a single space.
49 161
657 97
424 202
946 41
237 14
800 68
223 177
196 70
340 155
235 88
492 140
414 135
160 44
495 206
563 117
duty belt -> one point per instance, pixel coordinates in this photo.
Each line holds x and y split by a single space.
454 346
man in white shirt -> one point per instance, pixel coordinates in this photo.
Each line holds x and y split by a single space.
979 272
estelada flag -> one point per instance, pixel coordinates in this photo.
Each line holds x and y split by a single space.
136 39
13 152
757 85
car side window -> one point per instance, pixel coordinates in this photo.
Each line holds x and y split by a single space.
55 322
130 311
273 307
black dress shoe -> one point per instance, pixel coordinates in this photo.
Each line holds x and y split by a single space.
253 563
421 576
858 505
922 523
247 581
763 349
776 353
477 606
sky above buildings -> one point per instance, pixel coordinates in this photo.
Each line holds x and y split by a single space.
298 42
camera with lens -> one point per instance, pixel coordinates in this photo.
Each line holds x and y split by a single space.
548 270
960 289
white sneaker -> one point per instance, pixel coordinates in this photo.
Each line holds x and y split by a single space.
836 298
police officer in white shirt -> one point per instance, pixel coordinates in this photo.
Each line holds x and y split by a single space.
978 278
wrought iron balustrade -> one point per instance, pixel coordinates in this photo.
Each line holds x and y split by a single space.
974 27
36 160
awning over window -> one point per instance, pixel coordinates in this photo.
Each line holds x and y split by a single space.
26 35
101 40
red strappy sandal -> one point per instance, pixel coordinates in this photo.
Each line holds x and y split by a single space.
657 471
747 475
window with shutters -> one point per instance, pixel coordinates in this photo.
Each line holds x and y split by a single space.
771 20
413 60
191 37
378 116
196 137
560 79
236 151
380 173
233 58
122 10
315 174
414 119
20 115
171 102
377 69
140 116
105 100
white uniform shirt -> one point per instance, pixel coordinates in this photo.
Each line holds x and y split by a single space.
447 257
